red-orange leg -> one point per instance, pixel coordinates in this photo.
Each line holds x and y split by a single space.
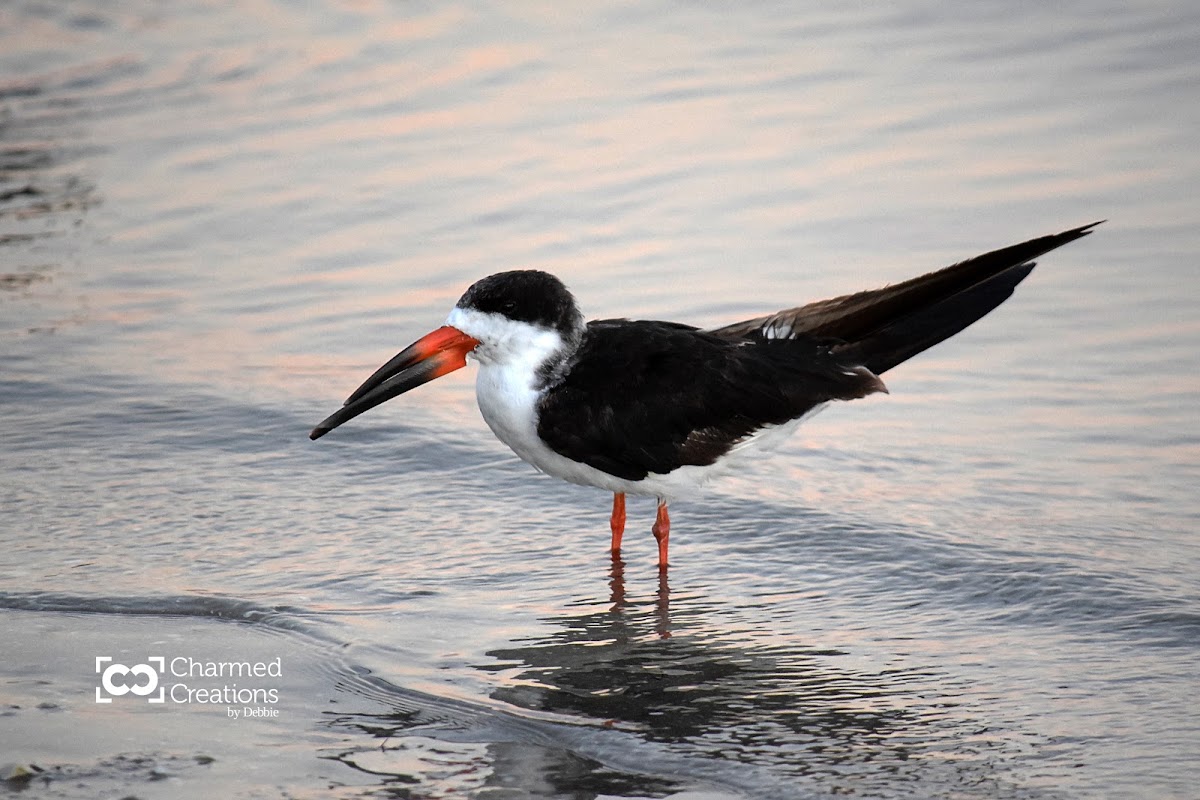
662 531
617 523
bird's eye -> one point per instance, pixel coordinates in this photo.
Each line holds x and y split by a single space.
509 306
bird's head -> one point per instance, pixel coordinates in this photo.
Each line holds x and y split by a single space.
513 319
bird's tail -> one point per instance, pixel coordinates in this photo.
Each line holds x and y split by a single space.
884 327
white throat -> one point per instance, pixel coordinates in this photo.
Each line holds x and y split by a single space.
508 342
514 358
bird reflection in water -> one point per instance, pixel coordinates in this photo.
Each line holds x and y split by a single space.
616 583
683 674
692 677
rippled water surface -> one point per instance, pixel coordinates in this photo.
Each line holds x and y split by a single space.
216 219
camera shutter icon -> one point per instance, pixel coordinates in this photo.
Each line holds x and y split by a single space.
140 679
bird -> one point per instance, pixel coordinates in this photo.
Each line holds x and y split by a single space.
656 408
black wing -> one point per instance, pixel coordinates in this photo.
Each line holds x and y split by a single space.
884 327
647 397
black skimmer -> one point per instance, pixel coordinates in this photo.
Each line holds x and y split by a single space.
656 408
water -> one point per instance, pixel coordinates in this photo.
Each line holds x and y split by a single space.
215 221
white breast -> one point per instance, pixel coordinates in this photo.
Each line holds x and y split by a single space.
510 356
508 403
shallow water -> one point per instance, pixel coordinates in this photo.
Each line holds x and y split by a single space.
216 221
